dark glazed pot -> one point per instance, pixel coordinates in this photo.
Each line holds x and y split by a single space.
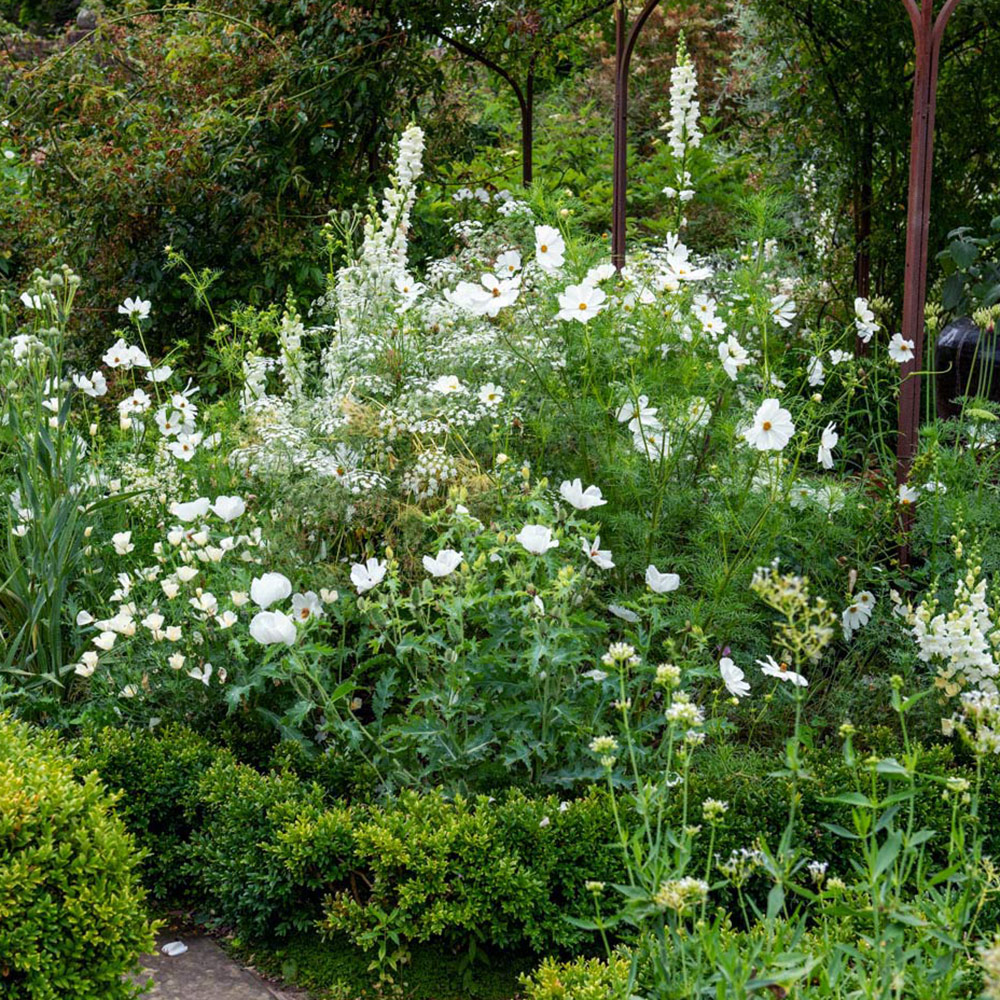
960 361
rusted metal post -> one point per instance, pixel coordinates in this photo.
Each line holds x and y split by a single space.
927 34
625 39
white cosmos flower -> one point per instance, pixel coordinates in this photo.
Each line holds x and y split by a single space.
638 413
599 273
119 355
269 589
172 422
826 445
96 385
490 394
733 356
447 384
306 606
122 541
271 627
537 539
160 374
838 357
550 248
661 583
444 563
228 508
598 556
190 511
772 427
582 499
782 672
508 263
580 302
900 350
782 310
185 446
733 678
857 613
135 308
368 574
907 495
625 614
864 320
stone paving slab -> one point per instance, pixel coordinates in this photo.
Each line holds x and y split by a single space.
203 972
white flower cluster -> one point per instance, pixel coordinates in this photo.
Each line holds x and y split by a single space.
963 641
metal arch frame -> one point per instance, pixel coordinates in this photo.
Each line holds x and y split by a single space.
624 45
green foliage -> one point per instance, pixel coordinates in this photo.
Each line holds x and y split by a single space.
580 979
472 873
158 778
72 920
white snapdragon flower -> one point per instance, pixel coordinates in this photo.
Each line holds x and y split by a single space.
582 499
269 588
536 539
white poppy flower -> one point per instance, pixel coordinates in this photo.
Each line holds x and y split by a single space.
270 588
203 674
229 508
271 627
226 620
368 574
582 499
598 556
444 563
733 678
190 511
122 541
661 583
306 606
537 539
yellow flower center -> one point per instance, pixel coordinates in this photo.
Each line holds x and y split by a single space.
766 425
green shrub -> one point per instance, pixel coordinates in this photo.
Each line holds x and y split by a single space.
581 979
267 850
473 871
158 775
72 920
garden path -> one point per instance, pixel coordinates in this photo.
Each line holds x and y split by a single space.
204 972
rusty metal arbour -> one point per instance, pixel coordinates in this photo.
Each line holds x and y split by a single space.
928 32
625 38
